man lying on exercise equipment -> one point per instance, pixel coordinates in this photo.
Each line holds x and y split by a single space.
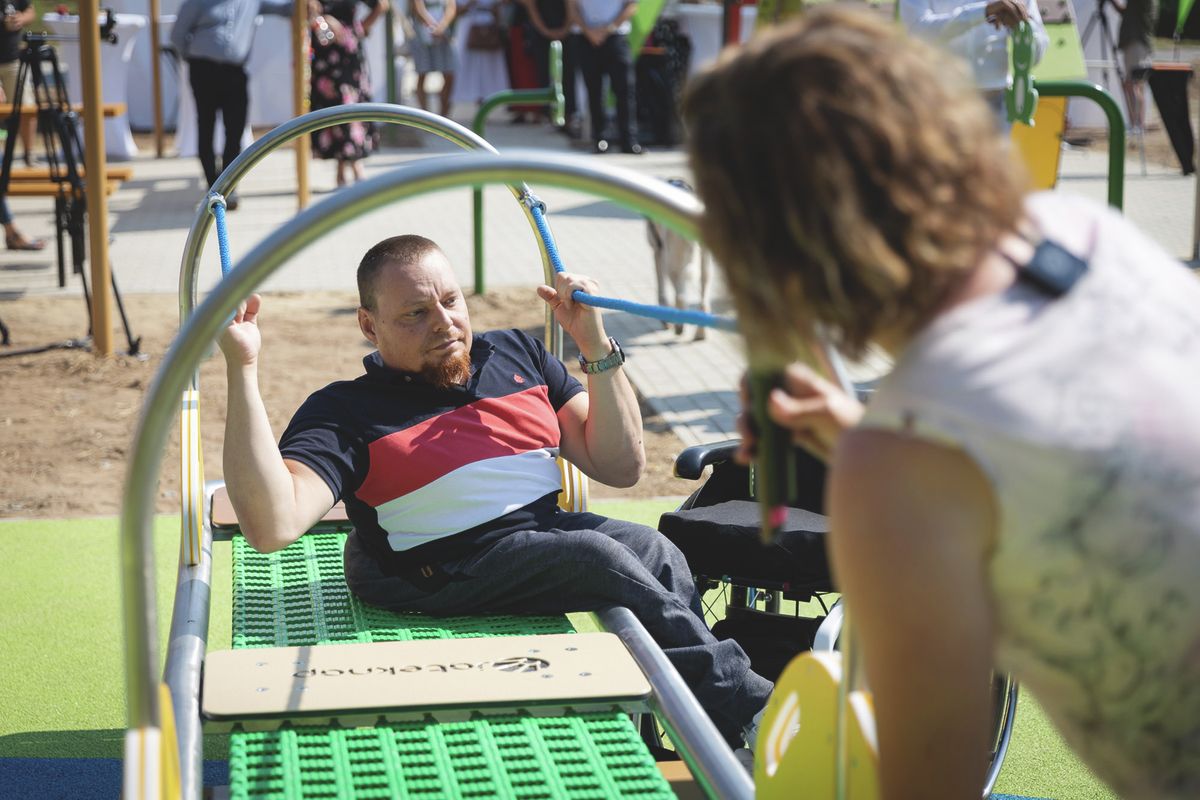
444 454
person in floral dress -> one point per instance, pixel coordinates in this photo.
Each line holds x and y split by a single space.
339 76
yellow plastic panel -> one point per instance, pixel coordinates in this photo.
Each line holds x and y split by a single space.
796 753
1041 146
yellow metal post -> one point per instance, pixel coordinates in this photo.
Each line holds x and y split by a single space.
95 169
156 79
300 94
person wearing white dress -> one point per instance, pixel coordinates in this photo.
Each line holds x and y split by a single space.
482 73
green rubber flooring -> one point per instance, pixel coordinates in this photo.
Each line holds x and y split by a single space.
298 596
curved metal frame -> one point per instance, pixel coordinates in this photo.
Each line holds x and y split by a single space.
680 210
301 126
189 625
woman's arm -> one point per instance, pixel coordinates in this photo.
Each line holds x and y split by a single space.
911 529
1041 39
447 19
535 18
920 18
379 9
422 14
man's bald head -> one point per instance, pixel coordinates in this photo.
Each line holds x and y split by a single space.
399 250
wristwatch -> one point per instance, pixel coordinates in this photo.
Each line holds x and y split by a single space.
614 359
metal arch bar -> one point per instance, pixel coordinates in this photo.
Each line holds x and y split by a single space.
293 129
652 197
699 741
1116 128
190 615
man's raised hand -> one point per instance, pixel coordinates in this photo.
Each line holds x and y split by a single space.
581 322
241 341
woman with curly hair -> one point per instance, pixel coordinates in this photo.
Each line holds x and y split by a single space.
1022 492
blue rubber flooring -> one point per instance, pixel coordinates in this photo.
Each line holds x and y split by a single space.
77 778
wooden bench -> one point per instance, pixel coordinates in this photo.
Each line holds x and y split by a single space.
50 188
35 182
110 109
117 173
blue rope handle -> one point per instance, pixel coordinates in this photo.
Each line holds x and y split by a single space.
674 315
216 206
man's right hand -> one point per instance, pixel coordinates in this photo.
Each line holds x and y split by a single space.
241 342
1006 13
816 412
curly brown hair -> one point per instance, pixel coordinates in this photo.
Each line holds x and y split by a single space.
851 177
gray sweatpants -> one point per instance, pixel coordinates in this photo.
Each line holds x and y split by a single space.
586 562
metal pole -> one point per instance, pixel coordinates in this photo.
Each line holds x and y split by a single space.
156 79
505 98
94 166
300 96
1196 207
705 752
389 55
1116 128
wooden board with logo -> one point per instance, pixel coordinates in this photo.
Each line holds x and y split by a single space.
400 680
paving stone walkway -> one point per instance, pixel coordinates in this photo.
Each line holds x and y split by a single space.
693 384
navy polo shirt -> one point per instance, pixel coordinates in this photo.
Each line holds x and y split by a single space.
429 474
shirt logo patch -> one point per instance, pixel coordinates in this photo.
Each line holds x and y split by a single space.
517 378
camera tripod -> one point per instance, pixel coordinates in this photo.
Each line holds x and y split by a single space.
1108 41
59 126
1109 53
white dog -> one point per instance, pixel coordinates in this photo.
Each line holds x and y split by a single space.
680 264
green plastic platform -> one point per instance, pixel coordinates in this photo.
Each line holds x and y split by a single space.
299 596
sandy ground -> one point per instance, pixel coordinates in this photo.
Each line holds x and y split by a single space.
67 418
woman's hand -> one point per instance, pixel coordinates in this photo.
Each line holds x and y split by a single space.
1006 13
816 412
581 322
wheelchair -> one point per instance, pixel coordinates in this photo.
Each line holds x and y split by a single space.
777 600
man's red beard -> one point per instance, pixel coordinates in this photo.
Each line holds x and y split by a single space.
454 370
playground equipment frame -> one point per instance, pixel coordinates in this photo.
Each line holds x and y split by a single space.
710 760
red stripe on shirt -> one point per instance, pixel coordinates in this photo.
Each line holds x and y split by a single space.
499 426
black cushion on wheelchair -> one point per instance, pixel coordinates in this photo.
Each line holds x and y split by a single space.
722 540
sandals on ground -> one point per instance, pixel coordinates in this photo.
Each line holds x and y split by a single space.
21 243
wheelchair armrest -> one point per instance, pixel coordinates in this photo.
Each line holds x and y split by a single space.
691 462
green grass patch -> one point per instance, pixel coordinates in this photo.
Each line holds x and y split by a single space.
62 636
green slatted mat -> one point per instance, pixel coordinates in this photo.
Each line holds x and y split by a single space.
299 596
583 756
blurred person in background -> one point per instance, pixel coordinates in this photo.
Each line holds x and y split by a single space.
546 23
214 37
432 48
18 15
605 25
1137 48
977 32
339 77
479 40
